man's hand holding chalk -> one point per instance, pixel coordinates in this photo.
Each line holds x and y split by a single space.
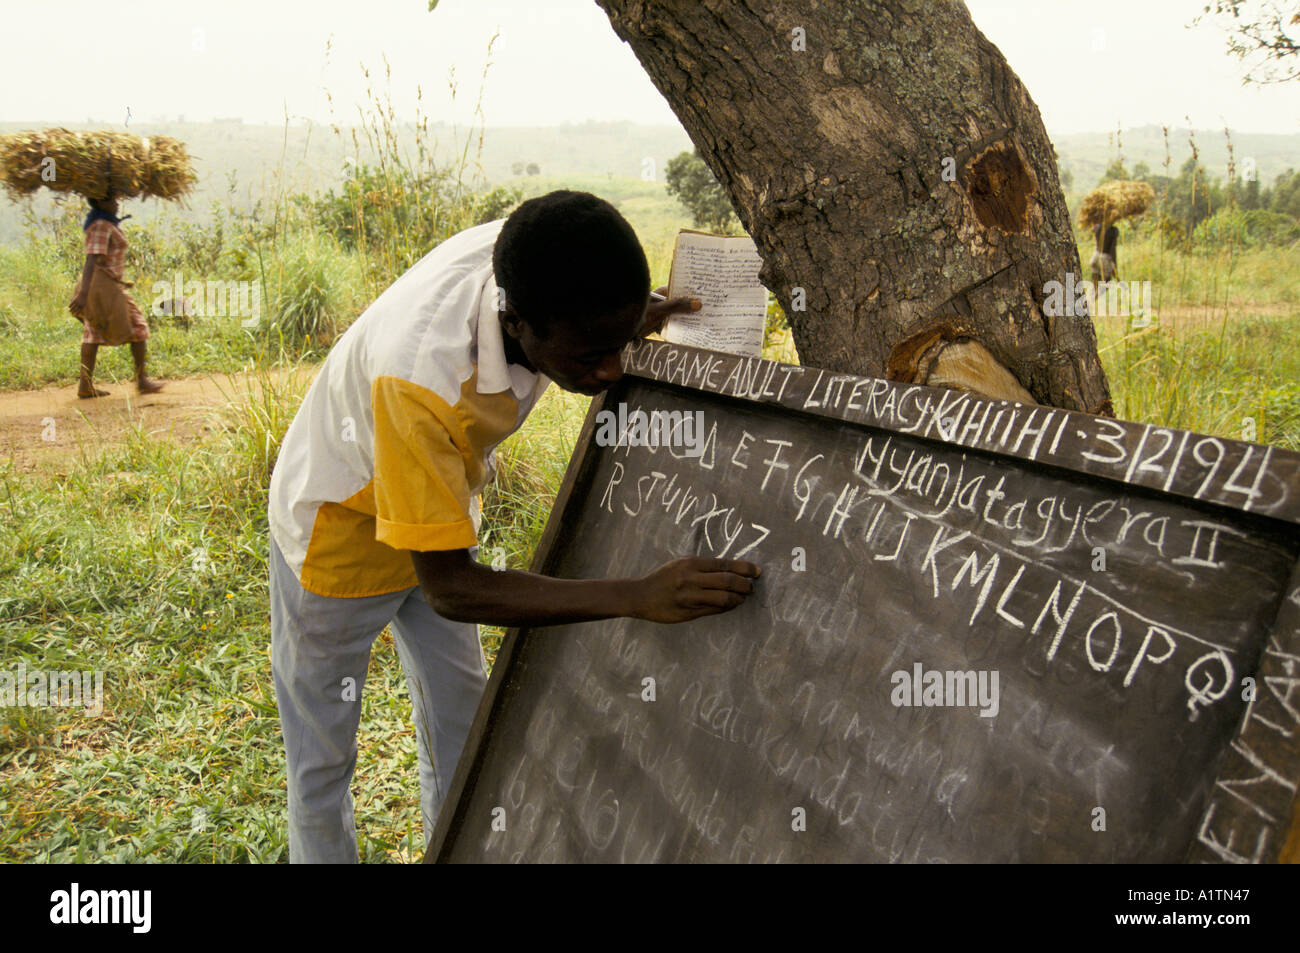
693 586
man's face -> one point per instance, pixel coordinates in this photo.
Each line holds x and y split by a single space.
585 361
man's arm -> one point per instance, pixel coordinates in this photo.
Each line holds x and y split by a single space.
463 590
662 308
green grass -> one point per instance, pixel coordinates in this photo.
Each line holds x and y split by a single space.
101 574
150 564
1238 381
1223 354
41 341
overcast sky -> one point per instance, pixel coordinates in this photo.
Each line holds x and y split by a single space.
1089 66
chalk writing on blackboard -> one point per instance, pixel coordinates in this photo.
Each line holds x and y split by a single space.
905 533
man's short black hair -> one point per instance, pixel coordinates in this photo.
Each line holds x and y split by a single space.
571 257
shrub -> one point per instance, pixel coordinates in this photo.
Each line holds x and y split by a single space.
1255 228
313 296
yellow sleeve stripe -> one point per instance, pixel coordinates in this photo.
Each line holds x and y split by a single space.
425 537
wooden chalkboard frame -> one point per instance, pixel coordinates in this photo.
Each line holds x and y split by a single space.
1253 813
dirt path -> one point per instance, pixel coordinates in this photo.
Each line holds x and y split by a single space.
47 428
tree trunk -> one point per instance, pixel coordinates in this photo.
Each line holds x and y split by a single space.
896 178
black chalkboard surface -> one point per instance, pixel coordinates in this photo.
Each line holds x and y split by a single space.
984 632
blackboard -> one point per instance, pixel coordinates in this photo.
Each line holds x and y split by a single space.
1133 589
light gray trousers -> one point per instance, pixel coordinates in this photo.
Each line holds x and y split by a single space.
320 649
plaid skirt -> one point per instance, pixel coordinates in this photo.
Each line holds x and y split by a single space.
139 326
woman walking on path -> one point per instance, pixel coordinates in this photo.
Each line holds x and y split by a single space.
106 247
1105 260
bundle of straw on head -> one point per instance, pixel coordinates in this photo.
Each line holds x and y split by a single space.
168 172
95 164
1112 201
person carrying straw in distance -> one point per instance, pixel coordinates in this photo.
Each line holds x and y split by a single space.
106 247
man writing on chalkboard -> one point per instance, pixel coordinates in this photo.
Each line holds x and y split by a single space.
373 510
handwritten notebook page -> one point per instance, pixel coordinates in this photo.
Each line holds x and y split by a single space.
722 271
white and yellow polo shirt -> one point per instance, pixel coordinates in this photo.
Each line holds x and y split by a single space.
395 438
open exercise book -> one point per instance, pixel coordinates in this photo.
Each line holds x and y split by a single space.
722 271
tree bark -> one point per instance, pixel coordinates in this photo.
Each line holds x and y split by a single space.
895 176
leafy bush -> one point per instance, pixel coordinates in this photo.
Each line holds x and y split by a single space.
498 203
396 215
314 293
1271 228
193 249
1255 228
379 208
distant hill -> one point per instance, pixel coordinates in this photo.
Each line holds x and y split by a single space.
1088 154
241 163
